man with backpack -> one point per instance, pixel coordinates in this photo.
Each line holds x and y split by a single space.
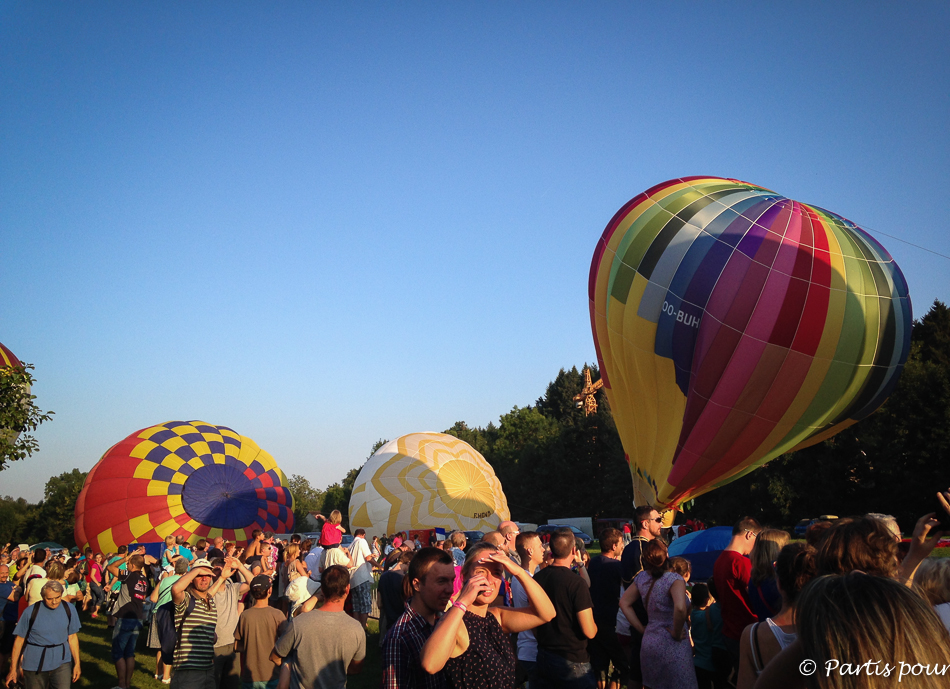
195 619
46 637
129 614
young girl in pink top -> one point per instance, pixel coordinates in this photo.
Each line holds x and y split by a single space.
332 532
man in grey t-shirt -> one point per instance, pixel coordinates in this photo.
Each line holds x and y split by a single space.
325 645
227 596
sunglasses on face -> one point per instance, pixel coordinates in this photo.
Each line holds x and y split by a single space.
658 520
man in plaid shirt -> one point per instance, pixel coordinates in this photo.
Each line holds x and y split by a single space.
429 583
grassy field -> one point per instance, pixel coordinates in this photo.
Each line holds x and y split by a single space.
95 643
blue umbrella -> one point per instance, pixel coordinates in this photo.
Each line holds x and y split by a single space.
702 548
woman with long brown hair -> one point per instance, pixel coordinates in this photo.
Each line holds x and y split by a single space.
764 597
854 618
762 641
471 640
666 655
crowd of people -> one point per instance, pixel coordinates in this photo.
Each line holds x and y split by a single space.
511 610
277 613
846 607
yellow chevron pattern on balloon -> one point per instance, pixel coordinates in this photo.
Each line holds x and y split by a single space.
424 481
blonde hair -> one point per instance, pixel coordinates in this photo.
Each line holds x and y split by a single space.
291 552
932 580
768 544
865 616
336 517
56 570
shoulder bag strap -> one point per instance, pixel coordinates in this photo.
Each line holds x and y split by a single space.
181 625
756 651
646 599
29 628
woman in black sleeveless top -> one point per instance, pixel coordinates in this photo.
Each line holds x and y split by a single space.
470 641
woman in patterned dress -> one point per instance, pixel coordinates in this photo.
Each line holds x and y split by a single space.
666 655
471 640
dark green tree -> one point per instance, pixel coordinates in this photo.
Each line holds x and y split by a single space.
552 459
15 515
307 499
480 439
53 519
378 444
18 414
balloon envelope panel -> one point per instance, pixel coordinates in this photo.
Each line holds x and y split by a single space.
182 478
733 324
8 358
423 481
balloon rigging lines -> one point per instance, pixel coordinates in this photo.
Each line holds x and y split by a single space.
917 246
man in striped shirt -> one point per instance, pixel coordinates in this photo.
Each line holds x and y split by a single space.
196 616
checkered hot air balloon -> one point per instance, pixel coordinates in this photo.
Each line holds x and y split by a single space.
425 481
732 325
186 478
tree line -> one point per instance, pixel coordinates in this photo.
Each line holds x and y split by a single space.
555 461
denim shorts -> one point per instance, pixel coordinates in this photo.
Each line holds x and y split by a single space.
124 636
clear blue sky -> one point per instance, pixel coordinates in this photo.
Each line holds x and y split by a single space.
322 224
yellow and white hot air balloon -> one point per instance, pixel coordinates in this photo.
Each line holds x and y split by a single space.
425 481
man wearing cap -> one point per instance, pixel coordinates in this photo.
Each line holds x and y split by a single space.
325 645
196 617
227 596
257 631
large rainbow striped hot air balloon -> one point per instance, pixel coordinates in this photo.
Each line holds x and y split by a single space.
182 478
732 325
